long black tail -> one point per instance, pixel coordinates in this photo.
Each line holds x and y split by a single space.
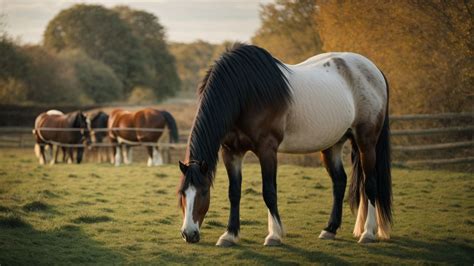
173 128
382 171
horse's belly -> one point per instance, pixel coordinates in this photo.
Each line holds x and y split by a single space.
319 116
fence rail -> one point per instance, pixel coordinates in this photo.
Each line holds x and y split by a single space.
22 137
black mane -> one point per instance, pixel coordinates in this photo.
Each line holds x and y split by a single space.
244 76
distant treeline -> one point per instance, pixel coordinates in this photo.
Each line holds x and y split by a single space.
90 54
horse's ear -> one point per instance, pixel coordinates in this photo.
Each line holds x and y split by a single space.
204 167
183 167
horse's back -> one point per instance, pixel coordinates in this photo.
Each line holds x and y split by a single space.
331 92
149 118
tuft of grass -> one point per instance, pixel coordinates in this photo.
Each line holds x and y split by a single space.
4 209
251 191
13 220
161 191
36 206
91 219
319 186
215 223
161 175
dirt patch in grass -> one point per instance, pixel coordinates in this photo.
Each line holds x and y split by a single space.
5 209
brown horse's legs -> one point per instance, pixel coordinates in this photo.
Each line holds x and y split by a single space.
149 150
267 153
56 153
333 163
70 155
233 164
42 159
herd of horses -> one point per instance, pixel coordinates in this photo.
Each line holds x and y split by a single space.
251 101
117 132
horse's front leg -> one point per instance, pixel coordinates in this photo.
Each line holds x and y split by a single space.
233 165
267 154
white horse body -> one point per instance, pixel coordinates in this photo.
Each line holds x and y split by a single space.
326 102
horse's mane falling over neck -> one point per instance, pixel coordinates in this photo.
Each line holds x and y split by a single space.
245 76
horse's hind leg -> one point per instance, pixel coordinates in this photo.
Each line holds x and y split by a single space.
267 153
233 165
55 149
117 154
70 152
333 163
366 141
127 154
149 150
157 159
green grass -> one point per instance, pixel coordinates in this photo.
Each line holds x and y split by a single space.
97 213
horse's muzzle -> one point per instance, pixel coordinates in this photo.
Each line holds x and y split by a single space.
191 237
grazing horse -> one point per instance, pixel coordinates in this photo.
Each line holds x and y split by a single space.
143 119
56 120
250 101
99 120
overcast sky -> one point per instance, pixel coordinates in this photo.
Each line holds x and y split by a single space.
184 20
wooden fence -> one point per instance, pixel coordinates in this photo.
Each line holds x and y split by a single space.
22 137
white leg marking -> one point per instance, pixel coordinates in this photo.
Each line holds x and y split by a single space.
118 157
275 231
189 225
370 225
149 163
157 159
130 155
227 239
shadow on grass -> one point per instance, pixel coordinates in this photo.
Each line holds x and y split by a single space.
436 251
20 243
299 255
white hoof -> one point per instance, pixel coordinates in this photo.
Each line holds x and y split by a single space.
227 240
272 240
367 238
327 235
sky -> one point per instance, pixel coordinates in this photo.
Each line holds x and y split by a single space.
185 20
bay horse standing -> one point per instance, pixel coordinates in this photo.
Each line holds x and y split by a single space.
98 134
57 121
250 101
142 119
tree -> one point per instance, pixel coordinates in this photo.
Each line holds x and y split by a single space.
161 74
289 30
192 61
102 35
97 80
50 79
424 47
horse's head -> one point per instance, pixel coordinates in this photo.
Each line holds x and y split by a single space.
81 121
194 198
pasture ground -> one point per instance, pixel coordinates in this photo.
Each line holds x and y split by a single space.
97 213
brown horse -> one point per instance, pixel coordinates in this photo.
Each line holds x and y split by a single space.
121 126
54 128
250 101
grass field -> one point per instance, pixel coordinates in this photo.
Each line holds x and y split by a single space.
97 213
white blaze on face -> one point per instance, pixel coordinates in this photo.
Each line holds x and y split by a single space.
189 225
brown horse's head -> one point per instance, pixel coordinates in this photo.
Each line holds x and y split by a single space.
194 198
